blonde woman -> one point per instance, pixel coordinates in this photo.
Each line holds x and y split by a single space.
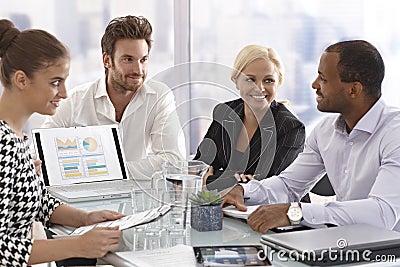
253 136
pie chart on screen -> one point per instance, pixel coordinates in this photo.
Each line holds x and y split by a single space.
90 144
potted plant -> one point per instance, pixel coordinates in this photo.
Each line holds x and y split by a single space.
206 211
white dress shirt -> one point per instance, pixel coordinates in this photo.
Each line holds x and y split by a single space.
149 123
363 168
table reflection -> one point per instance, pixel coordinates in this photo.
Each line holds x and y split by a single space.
159 234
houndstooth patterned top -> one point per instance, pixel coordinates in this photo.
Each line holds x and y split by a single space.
23 199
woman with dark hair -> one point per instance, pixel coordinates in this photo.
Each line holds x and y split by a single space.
33 68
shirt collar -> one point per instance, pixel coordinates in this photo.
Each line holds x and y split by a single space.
368 122
102 89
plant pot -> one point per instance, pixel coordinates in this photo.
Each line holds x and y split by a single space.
206 218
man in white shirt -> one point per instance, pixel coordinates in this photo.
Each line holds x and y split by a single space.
145 112
358 148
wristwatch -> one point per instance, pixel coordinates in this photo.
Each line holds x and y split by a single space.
294 213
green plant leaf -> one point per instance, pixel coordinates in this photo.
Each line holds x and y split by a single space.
206 198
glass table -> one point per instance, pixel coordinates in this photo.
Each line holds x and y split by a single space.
234 232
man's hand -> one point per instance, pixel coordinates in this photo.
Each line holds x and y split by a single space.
235 197
269 216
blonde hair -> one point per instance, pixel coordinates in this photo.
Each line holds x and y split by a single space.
250 53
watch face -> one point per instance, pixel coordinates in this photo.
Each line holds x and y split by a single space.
295 214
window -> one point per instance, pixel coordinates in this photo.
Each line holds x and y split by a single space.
299 30
81 24
209 34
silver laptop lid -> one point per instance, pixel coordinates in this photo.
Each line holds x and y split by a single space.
357 236
335 246
80 154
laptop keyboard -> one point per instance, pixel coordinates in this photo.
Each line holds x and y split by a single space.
114 185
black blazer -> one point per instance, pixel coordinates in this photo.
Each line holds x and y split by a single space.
274 146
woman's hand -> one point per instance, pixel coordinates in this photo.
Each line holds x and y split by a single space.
38 166
240 177
102 216
99 241
208 173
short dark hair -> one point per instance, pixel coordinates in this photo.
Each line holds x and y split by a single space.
29 51
128 27
360 61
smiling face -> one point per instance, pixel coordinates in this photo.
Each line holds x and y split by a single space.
329 88
258 84
128 70
47 87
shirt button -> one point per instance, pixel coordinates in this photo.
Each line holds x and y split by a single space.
313 220
351 143
346 171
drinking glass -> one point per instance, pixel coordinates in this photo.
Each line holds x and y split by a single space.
176 219
181 175
143 200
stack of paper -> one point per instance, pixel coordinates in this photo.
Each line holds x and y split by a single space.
233 212
127 221
177 256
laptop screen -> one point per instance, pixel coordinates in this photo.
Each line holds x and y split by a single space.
79 154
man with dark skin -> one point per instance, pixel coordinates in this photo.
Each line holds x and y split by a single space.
357 148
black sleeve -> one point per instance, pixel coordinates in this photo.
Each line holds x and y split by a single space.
207 150
211 145
289 146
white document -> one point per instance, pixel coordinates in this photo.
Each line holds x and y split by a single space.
233 212
177 256
127 221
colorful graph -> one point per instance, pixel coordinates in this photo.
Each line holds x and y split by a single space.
90 144
96 166
71 167
67 147
81 157
68 144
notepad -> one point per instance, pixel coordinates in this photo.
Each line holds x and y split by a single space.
233 212
177 256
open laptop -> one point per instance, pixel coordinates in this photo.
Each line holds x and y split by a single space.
335 245
83 163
